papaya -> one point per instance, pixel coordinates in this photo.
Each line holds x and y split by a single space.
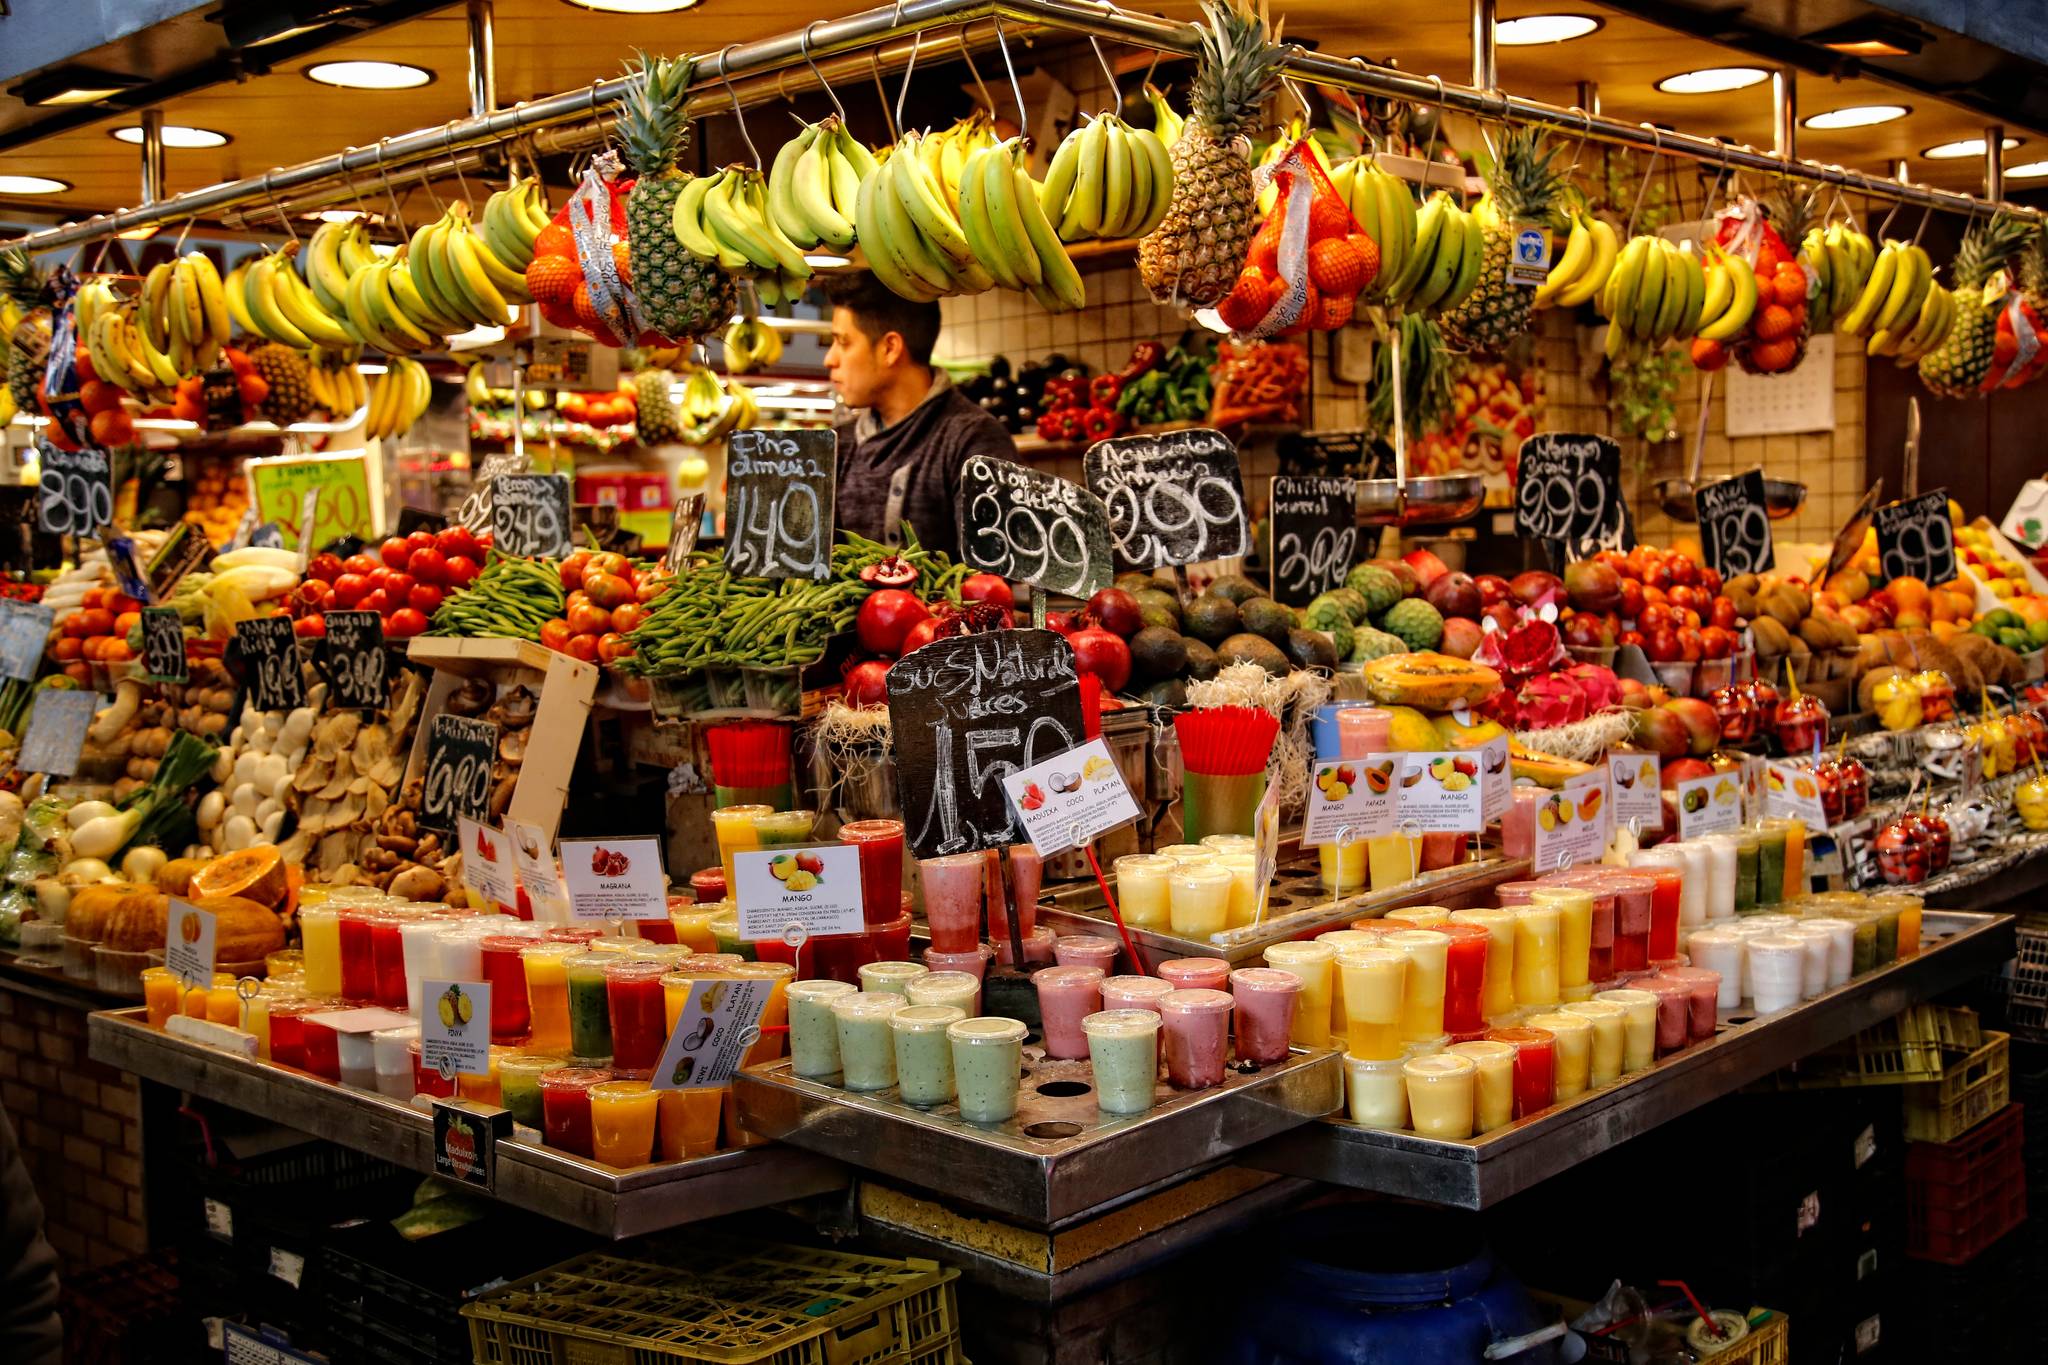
256 874
175 876
1428 681
1545 770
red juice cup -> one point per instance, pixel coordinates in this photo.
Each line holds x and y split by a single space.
1465 978
1674 1009
707 885
634 999
565 1106
656 930
1066 996
890 941
425 1081
881 866
572 933
1027 875
1134 992
323 1051
1600 940
1038 947
1665 898
1195 1029
952 899
1266 998
288 1031
358 968
505 971
1633 911
974 961
1196 973
1704 999
1535 1067
387 956
1085 950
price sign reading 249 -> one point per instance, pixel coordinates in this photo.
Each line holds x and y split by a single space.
1173 498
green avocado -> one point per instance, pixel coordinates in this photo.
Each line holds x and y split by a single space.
1253 649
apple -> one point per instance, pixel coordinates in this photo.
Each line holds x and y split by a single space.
1592 586
1492 588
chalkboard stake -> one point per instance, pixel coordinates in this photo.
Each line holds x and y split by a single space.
1038 596
1002 891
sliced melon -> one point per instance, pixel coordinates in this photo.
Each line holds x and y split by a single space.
255 874
176 875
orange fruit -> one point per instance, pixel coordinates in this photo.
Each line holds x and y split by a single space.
1335 311
1329 217
1708 355
1773 323
1245 304
1335 267
1774 356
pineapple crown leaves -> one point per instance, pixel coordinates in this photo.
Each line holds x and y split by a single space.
1240 68
1987 247
652 125
1526 184
21 281
1791 209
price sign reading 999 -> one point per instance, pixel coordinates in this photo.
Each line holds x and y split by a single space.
1915 540
460 751
1024 524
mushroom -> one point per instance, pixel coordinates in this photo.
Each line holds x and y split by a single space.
512 746
473 698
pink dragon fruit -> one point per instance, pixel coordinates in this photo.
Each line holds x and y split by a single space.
1530 646
1548 701
1601 687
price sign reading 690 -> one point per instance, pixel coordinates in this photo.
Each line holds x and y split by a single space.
458 773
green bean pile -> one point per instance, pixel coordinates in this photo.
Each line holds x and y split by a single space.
510 600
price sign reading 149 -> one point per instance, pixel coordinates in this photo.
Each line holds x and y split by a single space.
779 501
460 751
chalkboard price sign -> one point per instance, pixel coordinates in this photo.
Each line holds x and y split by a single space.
1914 539
355 661
24 631
530 515
76 495
163 645
1735 529
779 489
460 751
1315 535
1568 489
56 731
966 712
1023 523
272 654
1174 497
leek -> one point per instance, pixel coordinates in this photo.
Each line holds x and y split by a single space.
152 814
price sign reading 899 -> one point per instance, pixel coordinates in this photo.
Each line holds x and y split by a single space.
460 751
1035 527
1173 498
76 493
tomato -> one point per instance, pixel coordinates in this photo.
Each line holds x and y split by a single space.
608 561
310 627
419 540
379 579
626 618
460 572
555 634
67 649
586 619
120 603
393 553
117 651
92 648
428 565
378 601
350 589
423 597
583 647
364 564
404 623
457 540
324 566
607 590
612 645
572 570
73 628
78 671
398 586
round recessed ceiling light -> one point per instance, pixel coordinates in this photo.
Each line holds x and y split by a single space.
1969 146
369 75
633 6
2032 170
175 135
1532 30
1712 80
1857 116
31 184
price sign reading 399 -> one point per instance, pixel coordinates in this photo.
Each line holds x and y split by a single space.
1022 523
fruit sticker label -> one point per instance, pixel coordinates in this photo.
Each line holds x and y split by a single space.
1070 798
1572 825
1530 262
487 862
1351 799
533 861
455 1027
721 1019
1636 781
466 1137
188 943
1709 805
817 888
1496 783
1792 792
1441 793
614 878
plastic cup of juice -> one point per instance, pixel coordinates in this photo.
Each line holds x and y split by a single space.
1198 899
952 899
320 933
1066 996
1703 999
890 976
1196 973
565 1106
1749 847
1777 968
678 981
814 1028
1416 917
961 990
974 961
1225 845
547 994
1674 1011
1133 992
1497 994
1574 906
425 1080
988 1054
733 827
1493 1092
1342 863
1085 950
1422 999
1441 1099
1392 860
1027 875
1535 1067
1841 946
867 1051
1038 946
487 1088
1315 964
1373 981
1572 1051
1141 892
391 1059
1196 1025
1247 897
1638 1026
1123 1052
1465 964
417 951
1266 1003
589 1008
687 1123
1720 951
1187 853
881 866
635 1010
519 1083
774 1021
352 942
505 970
1375 1092
778 829
1537 953
1813 980
924 1054
162 993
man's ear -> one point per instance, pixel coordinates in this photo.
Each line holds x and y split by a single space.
891 349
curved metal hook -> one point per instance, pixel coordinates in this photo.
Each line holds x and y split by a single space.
903 90
1435 130
988 101
1657 145
390 194
803 45
1003 44
882 93
1584 132
1110 75
454 158
271 195
725 79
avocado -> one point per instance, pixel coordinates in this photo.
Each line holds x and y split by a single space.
1311 649
1157 652
1263 616
1201 665
1167 604
1134 582
1236 588
1210 619
1165 692
1252 649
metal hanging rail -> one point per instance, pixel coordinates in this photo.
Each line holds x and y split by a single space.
836 37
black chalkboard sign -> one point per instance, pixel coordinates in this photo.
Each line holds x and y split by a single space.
530 515
163 645
76 494
56 731
460 751
779 490
1176 497
967 711
1735 529
412 519
1314 523
1568 489
1035 527
355 661
24 631
271 651
1915 539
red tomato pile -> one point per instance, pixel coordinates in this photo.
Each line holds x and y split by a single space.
403 581
96 633
608 599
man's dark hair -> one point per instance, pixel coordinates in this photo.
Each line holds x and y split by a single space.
880 311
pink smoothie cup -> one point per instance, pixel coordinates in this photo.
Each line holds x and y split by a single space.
952 900
1085 950
1196 973
1066 996
1196 1029
1265 1002
1134 992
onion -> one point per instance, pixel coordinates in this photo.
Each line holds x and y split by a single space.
86 811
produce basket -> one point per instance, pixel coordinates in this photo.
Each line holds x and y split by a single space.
1768 1343
1962 1196
1969 1091
1902 1050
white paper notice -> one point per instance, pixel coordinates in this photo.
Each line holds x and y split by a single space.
188 943
1070 798
455 1027
533 861
816 887
487 862
1709 805
1572 825
615 878
721 1019
1351 799
1440 793
1636 782
1495 779
1791 792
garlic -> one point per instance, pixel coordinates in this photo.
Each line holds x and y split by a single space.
239 833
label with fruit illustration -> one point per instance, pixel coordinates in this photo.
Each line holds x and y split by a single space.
1070 798
466 1137
1440 793
721 1019
816 887
534 862
1495 781
1791 791
1573 824
1709 805
188 943
1636 782
1351 799
455 1027
618 878
2026 521
486 863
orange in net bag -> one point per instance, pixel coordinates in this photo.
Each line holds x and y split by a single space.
1308 261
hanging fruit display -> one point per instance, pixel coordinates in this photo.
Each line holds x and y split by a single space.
682 287
1108 180
1958 366
1523 189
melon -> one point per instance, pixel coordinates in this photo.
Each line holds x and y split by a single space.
256 874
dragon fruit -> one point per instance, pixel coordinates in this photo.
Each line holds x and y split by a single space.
1530 646
1548 701
1601 687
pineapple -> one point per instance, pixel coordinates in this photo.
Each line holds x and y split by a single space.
290 379
680 296
1956 368
655 412
1195 253
26 342
1523 188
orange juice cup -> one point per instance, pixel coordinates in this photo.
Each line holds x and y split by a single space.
622 1117
689 1122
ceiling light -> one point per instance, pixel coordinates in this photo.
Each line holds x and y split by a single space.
2032 170
1969 146
369 75
633 6
1871 35
1532 30
31 184
74 85
175 135
1857 116
1713 80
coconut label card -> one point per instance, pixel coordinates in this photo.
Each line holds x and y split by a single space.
1351 799
1071 798
1314 523
1441 793
1025 524
620 878
1174 497
721 1019
1572 824
1636 782
778 503
812 889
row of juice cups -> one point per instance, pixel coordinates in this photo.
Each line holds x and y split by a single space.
744 828
1734 873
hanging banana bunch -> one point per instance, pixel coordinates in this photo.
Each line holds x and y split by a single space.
512 219
336 385
913 237
1384 207
183 313
123 355
1657 292
711 407
814 184
1443 265
945 153
334 254
1107 181
1011 234
751 344
399 398
1590 249
1730 302
727 217
1166 124
281 306
1840 259
458 278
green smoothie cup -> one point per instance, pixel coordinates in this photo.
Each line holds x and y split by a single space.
988 1054
1123 1049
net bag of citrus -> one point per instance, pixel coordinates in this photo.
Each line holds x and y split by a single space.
1757 231
1308 261
2017 355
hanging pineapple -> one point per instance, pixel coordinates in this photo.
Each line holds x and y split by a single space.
25 295
1523 188
1956 368
681 296
656 411
1195 253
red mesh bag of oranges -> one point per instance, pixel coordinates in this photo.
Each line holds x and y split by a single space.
555 275
1775 340
1308 261
2018 353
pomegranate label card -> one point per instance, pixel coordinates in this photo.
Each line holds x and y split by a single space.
614 878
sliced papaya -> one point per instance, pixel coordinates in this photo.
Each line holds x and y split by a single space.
1428 681
1545 770
256 874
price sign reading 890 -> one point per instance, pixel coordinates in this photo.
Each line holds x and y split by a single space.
1035 527
76 494
460 751
1173 498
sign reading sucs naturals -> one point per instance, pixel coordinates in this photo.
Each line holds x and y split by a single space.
460 750
1915 539
1568 489
1735 525
778 503
1035 527
1173 498
1314 524
530 515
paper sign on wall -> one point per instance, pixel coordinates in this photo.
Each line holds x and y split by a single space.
1709 805
1635 782
2026 521
721 1019
1351 799
614 878
1572 824
455 1027
534 862
1441 793
1070 798
487 862
188 943
816 887
1792 792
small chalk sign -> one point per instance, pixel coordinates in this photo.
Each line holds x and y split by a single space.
1735 527
460 752
779 491
1034 527
1915 539
56 731
163 645
75 496
965 713
356 661
530 515
1568 490
1174 497
1315 535
271 651
24 630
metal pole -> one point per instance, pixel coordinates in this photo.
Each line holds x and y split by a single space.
1785 113
483 60
1484 70
1994 162
1589 97
152 155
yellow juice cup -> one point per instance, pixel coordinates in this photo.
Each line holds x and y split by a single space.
693 928
547 994
1575 931
1418 916
1343 940
1343 866
622 1115
1393 860
1245 891
689 1122
1198 899
1422 999
1372 979
1638 1026
162 994
733 827
320 932
1573 1054
1141 892
1493 1093
775 1013
1536 954
1441 1102
1607 1018
1497 994
1315 965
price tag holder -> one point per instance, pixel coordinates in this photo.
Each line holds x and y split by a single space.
780 489
356 661
615 878
1071 798
1441 793
163 645
271 650
1025 524
188 943
530 515
487 862
965 713
76 494
1637 784
1176 497
1351 799
1792 792
1568 491
1916 540
1708 805
460 750
533 862
1314 523
721 1019
455 1027
1573 823
466 1136
1735 526
24 631
816 886
56 731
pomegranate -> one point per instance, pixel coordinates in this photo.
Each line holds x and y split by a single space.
867 683
1102 653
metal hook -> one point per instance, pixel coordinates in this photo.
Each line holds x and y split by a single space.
1435 131
1885 226
390 194
1308 112
803 45
903 90
179 248
1927 211
1003 44
988 101
1657 145
1110 75
428 185
348 178
882 93
271 195
454 158
1585 131
725 79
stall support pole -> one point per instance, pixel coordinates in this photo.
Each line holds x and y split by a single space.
152 155
483 59
1785 113
1484 69
1589 97
1994 161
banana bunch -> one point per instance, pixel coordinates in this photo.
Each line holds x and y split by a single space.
1166 124
398 399
336 385
1914 336
1583 266
94 297
1731 297
1385 209
814 184
751 344
1900 277
712 407
1842 259
279 306
1657 292
727 218
945 153
334 254
1107 180
914 239
1011 233
183 312
123 355
386 307
458 277
512 219
476 385
1443 266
